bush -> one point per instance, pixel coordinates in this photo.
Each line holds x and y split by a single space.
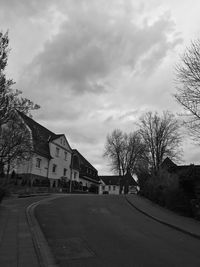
2 193
164 189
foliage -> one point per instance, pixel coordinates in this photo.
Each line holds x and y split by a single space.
161 135
164 189
124 151
2 194
188 92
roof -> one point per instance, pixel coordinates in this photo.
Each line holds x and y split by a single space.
90 179
41 135
111 179
84 160
184 171
117 179
168 163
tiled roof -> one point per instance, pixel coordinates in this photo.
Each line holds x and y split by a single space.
116 179
41 136
111 179
96 180
184 171
84 160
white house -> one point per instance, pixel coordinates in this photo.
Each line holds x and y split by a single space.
51 157
115 184
109 185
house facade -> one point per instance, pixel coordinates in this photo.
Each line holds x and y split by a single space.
115 184
83 172
53 159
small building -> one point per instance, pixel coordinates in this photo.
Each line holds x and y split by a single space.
84 173
115 184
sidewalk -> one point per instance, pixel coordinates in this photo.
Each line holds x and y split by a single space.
162 215
16 244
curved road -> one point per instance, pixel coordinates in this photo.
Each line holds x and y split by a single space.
86 230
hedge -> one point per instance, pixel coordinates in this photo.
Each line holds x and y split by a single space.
2 194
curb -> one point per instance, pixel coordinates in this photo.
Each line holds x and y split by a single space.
43 251
33 195
163 222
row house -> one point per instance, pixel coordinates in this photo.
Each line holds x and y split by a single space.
53 158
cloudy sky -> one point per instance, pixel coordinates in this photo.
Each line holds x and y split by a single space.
97 65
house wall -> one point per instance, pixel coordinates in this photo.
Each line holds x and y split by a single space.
111 189
75 175
30 166
59 159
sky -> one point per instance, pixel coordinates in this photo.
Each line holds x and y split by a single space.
97 65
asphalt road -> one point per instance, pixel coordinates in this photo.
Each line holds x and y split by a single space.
106 231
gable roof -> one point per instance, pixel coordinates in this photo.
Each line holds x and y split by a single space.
184 171
110 179
84 160
41 136
117 179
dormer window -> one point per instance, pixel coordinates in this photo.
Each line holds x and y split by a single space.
57 151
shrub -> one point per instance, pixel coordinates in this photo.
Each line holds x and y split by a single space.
164 189
2 193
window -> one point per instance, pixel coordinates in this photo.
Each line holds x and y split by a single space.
65 155
64 172
113 187
57 151
54 168
38 162
109 187
103 187
75 175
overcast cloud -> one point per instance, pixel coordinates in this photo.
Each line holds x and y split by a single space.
94 66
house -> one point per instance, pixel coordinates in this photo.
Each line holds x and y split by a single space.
189 176
53 159
51 156
83 172
115 184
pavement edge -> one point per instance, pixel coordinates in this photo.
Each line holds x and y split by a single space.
43 251
162 221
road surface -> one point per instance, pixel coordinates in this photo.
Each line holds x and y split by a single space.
91 230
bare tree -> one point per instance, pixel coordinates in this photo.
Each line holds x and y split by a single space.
10 99
124 151
13 138
15 143
113 149
188 89
161 136
4 84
